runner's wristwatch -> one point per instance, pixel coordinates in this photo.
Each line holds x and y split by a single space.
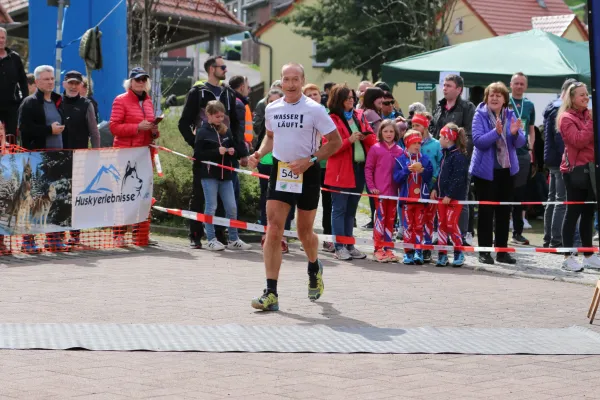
313 159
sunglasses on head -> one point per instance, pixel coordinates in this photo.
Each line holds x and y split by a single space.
387 103
141 79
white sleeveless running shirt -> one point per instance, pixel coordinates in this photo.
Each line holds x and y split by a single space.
296 127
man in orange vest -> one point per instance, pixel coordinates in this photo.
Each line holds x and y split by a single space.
240 88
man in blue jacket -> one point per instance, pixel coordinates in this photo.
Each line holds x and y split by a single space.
554 148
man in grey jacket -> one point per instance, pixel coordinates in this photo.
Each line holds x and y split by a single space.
452 108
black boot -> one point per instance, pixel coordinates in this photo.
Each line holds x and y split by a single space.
486 258
505 258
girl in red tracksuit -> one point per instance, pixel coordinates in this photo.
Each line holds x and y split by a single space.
378 170
451 186
413 172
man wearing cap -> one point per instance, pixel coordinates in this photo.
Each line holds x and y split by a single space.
79 113
80 122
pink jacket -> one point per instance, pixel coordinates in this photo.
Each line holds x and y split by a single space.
124 119
577 131
379 168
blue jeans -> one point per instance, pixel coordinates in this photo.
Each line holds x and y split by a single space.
213 189
344 206
555 214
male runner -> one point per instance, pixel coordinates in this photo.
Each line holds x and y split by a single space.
293 123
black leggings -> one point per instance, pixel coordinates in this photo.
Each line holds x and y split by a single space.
499 189
574 211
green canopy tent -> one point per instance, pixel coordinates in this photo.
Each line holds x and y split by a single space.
545 58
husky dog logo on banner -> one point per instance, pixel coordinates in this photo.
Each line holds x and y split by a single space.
111 187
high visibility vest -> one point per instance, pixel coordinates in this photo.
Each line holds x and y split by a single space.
248 135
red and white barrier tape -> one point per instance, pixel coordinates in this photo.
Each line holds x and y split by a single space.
156 161
368 242
403 199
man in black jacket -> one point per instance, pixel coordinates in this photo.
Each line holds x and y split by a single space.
13 85
41 123
452 108
80 121
80 115
192 116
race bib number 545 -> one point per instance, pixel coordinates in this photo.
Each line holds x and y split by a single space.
287 181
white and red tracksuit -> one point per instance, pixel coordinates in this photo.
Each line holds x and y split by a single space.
414 186
452 183
448 215
384 224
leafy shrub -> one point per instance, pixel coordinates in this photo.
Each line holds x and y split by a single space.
174 189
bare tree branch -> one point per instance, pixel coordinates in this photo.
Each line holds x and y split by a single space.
387 50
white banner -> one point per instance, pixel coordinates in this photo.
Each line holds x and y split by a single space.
111 187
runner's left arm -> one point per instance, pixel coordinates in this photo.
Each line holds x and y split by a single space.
330 146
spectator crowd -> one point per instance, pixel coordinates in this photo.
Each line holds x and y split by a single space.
491 151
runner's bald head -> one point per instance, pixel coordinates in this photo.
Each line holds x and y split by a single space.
289 67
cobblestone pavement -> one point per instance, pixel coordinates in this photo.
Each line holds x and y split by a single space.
171 284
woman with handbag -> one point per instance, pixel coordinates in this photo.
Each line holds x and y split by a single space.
346 168
577 130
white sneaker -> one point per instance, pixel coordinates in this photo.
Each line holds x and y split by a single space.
572 265
526 224
215 245
592 262
469 239
354 253
343 254
239 245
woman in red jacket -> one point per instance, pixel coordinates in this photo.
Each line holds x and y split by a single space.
132 117
577 130
346 168
132 125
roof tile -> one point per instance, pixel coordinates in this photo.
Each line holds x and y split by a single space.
14 5
510 16
556 24
206 10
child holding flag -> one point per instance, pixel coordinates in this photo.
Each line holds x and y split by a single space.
413 172
431 148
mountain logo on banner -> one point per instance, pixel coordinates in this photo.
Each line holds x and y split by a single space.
99 183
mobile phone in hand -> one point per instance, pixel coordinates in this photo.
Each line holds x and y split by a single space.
158 120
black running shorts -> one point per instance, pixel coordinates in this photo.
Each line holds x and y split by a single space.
308 200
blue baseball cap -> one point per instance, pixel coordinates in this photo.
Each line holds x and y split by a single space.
138 72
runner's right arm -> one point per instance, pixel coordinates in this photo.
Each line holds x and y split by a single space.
265 147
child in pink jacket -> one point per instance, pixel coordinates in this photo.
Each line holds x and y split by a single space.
378 175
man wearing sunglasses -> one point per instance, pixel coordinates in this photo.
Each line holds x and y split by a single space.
388 111
192 116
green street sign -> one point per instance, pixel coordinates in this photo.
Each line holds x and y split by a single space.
425 87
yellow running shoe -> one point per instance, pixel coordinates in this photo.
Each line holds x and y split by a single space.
267 302
315 284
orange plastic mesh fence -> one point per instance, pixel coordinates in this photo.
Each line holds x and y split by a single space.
74 240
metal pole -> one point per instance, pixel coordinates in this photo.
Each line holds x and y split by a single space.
59 36
594 28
